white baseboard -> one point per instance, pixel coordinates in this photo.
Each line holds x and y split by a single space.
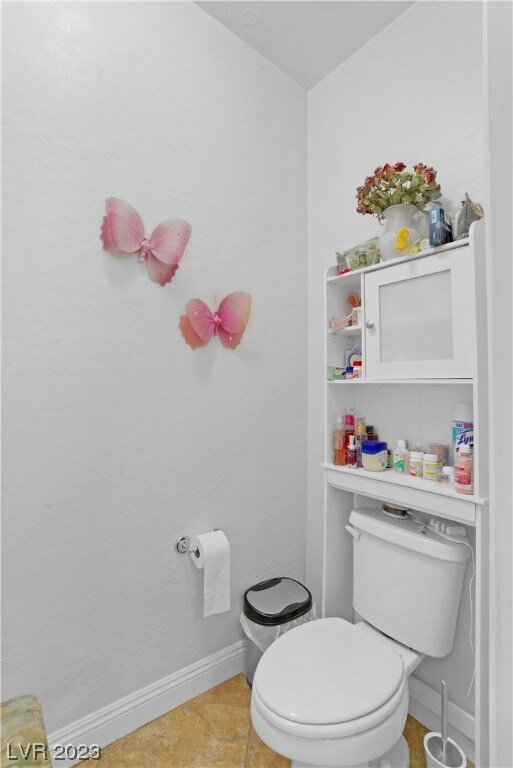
120 718
426 707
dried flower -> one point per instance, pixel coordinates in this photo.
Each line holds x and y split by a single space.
393 184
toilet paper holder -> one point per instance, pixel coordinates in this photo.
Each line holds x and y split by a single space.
183 544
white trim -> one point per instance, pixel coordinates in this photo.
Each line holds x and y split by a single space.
125 715
496 706
426 706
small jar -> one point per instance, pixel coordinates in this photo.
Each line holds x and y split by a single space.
431 467
442 451
447 476
374 455
349 372
357 369
416 464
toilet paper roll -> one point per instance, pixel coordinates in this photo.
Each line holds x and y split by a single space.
214 560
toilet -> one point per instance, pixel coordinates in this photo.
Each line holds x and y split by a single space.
332 693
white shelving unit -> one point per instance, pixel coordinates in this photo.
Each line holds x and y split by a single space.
415 382
423 339
352 330
414 493
332 274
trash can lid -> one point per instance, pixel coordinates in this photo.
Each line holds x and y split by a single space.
276 601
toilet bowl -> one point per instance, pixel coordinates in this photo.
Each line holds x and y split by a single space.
330 693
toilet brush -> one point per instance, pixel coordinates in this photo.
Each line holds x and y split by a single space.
441 750
444 723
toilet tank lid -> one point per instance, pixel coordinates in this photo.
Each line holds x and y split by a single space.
404 532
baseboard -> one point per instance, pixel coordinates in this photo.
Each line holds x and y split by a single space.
426 707
120 718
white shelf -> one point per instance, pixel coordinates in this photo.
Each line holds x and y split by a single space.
410 492
423 382
351 330
399 260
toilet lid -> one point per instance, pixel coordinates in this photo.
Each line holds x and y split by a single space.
327 671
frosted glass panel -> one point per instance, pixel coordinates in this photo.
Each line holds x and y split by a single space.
416 319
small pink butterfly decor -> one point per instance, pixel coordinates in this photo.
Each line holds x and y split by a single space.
199 324
123 232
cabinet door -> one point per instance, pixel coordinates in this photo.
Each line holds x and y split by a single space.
420 318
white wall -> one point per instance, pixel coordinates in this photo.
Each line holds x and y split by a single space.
117 437
412 94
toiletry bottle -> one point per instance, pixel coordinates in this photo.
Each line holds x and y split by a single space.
350 421
462 429
351 453
442 451
431 467
464 471
360 424
447 476
339 448
416 464
401 457
360 437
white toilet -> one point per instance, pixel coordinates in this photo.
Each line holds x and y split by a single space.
330 693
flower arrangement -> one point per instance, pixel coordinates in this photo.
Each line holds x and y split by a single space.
393 184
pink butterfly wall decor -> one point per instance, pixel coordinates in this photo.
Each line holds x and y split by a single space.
199 324
123 232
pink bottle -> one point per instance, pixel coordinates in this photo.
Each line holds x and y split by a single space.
350 421
464 471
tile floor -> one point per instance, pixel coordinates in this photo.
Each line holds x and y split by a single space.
213 731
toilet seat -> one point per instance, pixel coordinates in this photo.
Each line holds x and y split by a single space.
319 675
326 674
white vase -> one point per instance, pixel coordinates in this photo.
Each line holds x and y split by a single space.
401 236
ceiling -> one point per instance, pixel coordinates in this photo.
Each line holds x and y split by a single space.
306 39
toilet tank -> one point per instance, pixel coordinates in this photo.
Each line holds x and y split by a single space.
406 583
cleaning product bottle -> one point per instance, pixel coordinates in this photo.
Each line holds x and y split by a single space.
464 470
351 453
462 429
401 459
339 448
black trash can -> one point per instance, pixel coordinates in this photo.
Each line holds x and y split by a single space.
270 609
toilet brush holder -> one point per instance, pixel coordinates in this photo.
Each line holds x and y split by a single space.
434 749
441 751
